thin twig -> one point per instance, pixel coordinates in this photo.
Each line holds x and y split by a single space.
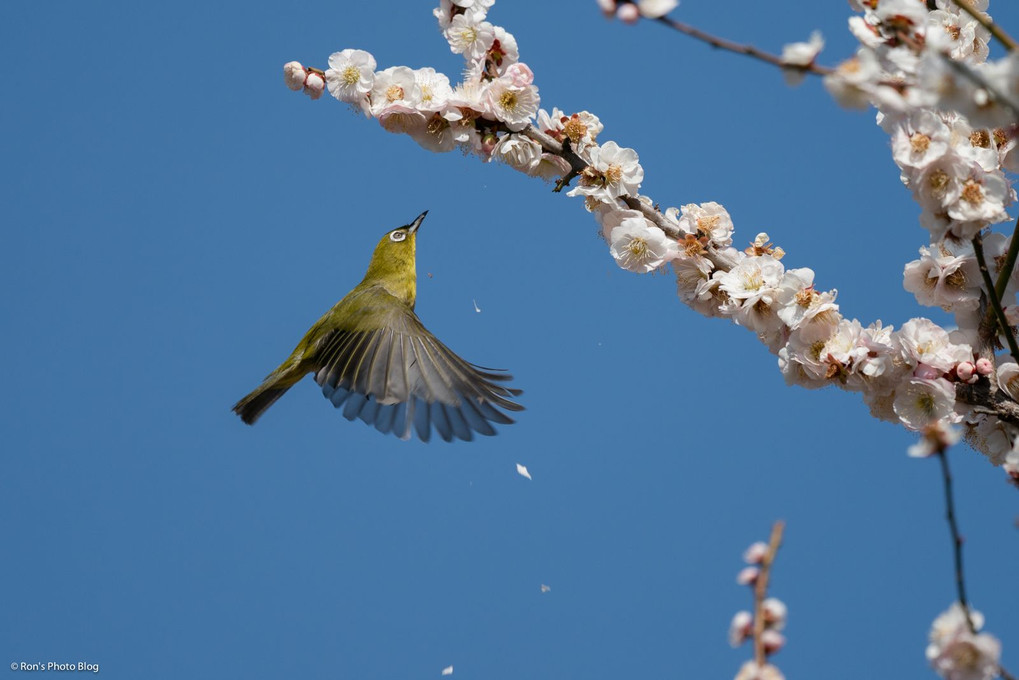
1005 273
740 48
761 591
995 303
960 583
1004 38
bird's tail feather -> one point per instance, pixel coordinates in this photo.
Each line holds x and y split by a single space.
252 406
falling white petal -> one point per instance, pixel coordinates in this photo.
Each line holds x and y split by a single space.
545 588
476 308
448 670
522 471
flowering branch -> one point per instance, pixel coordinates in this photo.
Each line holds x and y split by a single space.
739 48
761 591
985 21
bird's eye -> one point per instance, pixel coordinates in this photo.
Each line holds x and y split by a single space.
398 236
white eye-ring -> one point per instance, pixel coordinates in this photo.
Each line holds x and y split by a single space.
398 236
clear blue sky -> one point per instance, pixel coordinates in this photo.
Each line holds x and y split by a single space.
175 218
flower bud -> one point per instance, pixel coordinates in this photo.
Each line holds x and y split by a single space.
747 576
294 75
628 13
741 628
965 371
772 641
984 366
755 553
774 613
314 85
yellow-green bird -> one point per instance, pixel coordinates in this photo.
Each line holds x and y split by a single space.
376 361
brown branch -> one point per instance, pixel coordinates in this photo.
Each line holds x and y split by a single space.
761 591
739 48
992 297
960 583
999 33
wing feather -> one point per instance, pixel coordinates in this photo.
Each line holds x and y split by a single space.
400 378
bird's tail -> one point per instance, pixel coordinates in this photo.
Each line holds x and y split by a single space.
251 407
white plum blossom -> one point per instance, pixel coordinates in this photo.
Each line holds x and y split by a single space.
511 102
918 139
614 171
518 152
351 76
710 219
942 278
920 402
924 342
639 246
395 86
314 85
751 671
800 55
956 653
469 37
434 88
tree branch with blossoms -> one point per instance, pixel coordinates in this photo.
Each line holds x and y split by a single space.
947 111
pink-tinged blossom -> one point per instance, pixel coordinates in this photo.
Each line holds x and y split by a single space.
775 613
772 640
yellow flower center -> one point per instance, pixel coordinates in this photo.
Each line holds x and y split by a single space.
350 76
394 93
919 142
973 193
508 101
637 247
614 174
937 182
980 139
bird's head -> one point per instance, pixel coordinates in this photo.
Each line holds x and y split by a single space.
393 262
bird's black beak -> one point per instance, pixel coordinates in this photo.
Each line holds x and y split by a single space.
417 222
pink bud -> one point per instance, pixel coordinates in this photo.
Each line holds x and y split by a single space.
608 7
741 628
313 85
294 75
755 553
488 142
964 370
985 366
772 640
520 74
747 576
774 613
628 13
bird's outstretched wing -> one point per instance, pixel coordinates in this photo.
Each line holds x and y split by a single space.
401 379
